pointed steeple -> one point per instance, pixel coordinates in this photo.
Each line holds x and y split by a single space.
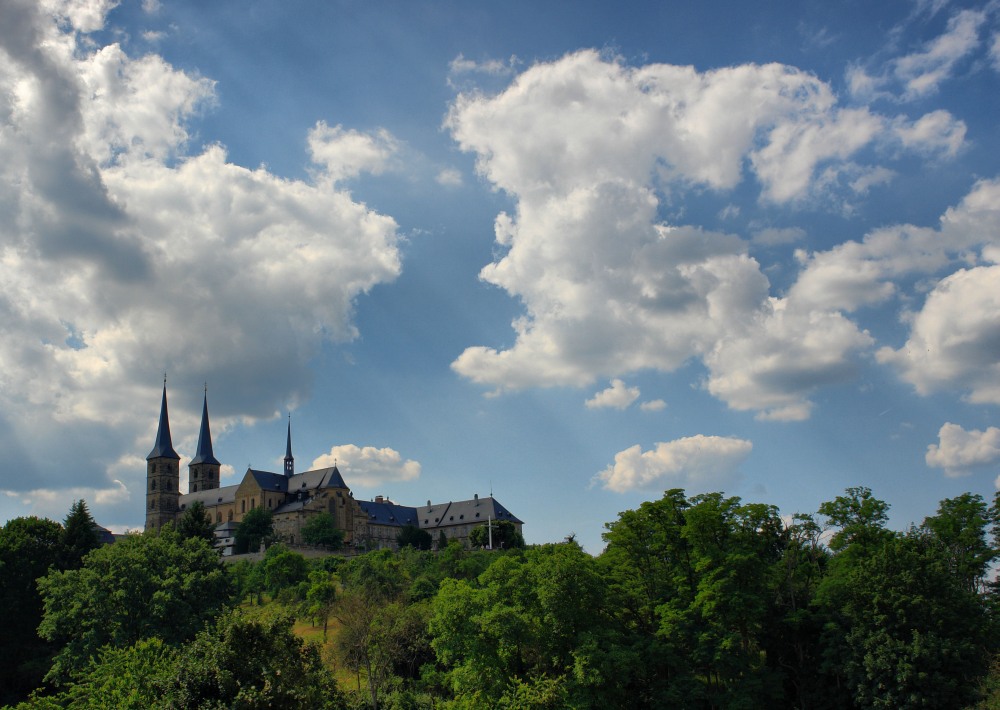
289 459
163 448
204 454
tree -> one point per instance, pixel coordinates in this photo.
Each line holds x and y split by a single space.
256 527
534 621
251 662
960 525
504 533
143 586
196 522
79 535
376 576
860 516
126 678
282 569
29 547
321 530
412 536
321 596
918 636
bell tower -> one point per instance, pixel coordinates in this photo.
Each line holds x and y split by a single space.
162 474
203 471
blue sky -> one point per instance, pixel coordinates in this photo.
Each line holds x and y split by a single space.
573 253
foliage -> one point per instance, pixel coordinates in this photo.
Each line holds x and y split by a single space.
196 522
29 547
143 586
918 636
412 536
79 535
129 678
321 530
250 662
376 576
282 569
504 535
256 527
321 595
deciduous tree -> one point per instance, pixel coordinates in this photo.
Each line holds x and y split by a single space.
321 530
143 586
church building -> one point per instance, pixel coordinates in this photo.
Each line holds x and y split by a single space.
294 497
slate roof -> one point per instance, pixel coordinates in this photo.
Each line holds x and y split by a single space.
214 496
388 513
269 481
463 512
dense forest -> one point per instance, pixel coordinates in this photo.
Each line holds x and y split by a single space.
696 602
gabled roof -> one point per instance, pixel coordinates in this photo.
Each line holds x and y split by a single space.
318 478
163 448
388 513
269 481
464 512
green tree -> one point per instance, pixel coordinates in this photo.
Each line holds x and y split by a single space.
143 586
129 678
282 569
535 620
79 535
376 576
412 536
860 516
29 548
918 636
504 533
196 522
256 527
321 596
251 662
321 530
960 525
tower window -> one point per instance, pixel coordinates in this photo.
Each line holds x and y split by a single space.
152 485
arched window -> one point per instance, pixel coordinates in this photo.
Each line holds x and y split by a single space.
194 487
152 505
218 517
230 516
152 485
243 505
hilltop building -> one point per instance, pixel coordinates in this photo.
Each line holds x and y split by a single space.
294 497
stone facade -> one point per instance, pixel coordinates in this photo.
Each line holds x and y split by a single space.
293 498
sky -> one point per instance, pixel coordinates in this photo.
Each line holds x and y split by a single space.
571 253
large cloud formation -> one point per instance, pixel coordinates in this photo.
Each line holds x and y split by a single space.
589 147
700 463
123 253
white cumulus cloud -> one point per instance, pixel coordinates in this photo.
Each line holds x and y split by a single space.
368 465
954 339
695 462
617 396
586 145
959 451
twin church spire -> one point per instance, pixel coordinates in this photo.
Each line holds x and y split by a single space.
162 468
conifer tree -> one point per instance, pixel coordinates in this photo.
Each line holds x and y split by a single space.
79 535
